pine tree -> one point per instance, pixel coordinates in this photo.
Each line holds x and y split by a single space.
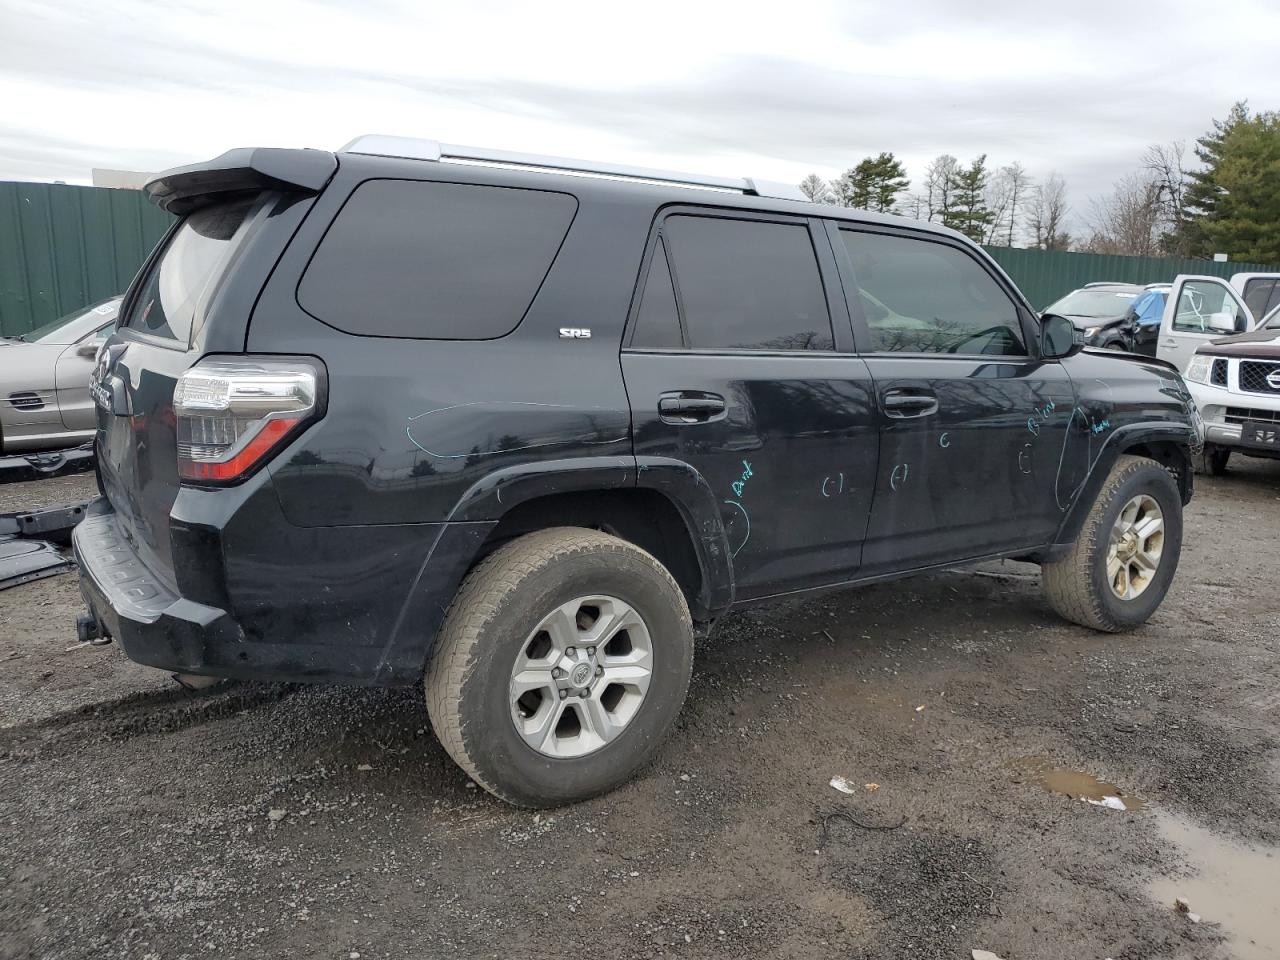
876 183
967 210
1233 204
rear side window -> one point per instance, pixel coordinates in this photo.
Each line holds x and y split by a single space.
748 284
925 297
658 320
193 259
439 261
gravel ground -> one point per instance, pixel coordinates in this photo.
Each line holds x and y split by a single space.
140 820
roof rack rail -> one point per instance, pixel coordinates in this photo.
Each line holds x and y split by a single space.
382 145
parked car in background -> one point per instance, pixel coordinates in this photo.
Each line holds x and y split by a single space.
1099 310
44 380
1142 319
1236 385
1197 310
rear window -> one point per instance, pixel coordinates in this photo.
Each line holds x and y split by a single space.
193 259
438 261
748 284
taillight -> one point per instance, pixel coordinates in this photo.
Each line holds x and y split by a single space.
234 413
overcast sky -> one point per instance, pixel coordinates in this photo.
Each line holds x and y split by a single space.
770 90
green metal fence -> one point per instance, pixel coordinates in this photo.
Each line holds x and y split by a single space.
1046 275
62 247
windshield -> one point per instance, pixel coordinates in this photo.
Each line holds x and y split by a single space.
1093 303
70 327
1272 320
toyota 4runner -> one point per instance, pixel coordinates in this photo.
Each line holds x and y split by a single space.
524 427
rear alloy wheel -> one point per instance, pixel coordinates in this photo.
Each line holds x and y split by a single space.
581 677
560 667
1120 566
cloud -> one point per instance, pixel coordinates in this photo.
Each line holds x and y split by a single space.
769 91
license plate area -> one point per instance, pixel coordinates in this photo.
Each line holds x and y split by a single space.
1260 434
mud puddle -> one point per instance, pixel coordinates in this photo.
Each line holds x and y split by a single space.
1077 784
1231 885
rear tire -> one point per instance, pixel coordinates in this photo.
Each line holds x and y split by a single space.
561 666
1119 569
1213 461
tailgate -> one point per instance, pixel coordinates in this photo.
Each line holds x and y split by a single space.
157 339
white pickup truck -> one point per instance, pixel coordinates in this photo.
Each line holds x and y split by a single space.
1230 360
1199 309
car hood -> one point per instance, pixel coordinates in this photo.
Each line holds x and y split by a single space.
1259 343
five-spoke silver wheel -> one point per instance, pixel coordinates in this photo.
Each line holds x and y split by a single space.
581 676
1133 553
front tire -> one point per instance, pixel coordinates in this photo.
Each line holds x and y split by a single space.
561 666
1119 569
1213 461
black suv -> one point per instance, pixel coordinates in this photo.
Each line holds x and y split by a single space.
525 427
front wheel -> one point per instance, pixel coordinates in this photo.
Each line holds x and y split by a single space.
560 667
1119 569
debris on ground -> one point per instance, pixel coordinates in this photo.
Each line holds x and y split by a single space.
275 815
1111 803
985 955
841 784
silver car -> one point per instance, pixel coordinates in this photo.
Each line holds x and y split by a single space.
44 380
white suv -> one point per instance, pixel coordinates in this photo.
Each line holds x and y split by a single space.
1236 385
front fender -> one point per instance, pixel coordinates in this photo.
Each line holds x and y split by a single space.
1171 436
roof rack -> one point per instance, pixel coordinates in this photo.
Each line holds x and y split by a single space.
382 145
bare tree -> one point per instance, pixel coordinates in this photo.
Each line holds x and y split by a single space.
1006 196
1046 214
938 178
816 189
1164 162
1128 222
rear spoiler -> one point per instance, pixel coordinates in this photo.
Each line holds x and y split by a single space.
183 189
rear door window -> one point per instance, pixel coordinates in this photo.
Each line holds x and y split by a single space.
924 297
439 261
193 259
748 284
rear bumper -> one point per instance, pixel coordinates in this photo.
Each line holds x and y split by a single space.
328 607
154 625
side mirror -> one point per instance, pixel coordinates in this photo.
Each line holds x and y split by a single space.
1059 337
1222 322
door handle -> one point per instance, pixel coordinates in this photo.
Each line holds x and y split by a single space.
901 404
688 406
